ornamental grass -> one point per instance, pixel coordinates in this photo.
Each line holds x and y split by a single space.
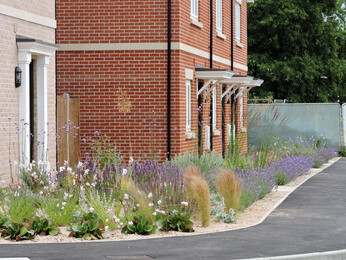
197 189
229 186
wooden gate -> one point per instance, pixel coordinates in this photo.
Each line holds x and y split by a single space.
68 140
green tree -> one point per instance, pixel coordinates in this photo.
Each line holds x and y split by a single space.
298 48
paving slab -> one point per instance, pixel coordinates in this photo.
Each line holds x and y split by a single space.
311 221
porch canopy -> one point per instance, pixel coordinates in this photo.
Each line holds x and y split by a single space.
246 88
211 77
234 83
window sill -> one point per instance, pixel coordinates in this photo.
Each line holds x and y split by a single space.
216 132
220 35
196 23
239 44
190 135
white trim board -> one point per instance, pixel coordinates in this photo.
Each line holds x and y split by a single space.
27 16
147 46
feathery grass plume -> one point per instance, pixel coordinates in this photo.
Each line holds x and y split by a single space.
229 187
128 185
197 189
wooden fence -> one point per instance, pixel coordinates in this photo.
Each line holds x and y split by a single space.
68 141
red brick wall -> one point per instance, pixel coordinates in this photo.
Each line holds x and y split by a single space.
95 76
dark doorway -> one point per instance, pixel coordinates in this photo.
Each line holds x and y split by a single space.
32 109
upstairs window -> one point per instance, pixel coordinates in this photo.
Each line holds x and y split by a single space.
194 9
214 108
219 16
237 21
188 105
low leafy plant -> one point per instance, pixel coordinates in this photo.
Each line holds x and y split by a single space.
4 222
342 151
281 179
218 209
91 227
176 221
44 227
17 232
140 226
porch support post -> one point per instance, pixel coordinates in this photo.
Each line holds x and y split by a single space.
24 59
42 82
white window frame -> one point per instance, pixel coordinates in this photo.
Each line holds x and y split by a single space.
219 16
194 9
207 137
237 21
214 108
188 105
241 112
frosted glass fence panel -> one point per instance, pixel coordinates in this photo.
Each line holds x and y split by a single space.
344 121
290 121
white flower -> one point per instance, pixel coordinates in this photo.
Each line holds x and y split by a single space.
64 203
131 160
109 210
82 188
58 205
65 163
137 205
106 228
41 192
87 184
124 172
41 182
86 171
154 213
62 207
91 209
45 187
174 211
69 169
126 196
184 203
74 182
150 195
130 223
80 164
159 202
107 220
151 204
62 168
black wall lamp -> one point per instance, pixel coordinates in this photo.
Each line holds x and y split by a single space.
18 76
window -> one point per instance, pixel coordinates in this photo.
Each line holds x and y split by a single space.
214 108
194 9
207 137
241 113
237 22
188 105
219 16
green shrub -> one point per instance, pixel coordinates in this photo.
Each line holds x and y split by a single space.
342 151
177 221
4 222
20 206
17 231
140 226
218 209
91 227
60 207
281 179
44 227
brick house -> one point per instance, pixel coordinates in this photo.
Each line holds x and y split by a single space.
27 42
174 60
